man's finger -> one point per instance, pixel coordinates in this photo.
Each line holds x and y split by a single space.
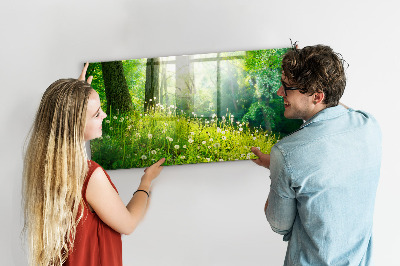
257 161
256 151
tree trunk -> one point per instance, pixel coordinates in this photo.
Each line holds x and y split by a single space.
116 88
151 88
267 121
163 85
184 88
218 86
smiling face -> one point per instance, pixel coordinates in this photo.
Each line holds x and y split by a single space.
94 117
299 105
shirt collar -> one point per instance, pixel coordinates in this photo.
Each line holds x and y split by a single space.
326 114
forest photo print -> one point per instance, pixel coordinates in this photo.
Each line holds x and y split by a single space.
189 109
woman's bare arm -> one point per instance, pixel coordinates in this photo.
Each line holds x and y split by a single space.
108 205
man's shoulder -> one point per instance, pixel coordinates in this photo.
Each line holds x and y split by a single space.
327 125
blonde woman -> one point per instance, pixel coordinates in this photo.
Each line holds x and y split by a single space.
73 213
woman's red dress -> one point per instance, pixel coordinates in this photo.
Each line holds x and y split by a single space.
95 242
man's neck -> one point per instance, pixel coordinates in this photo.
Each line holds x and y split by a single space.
318 108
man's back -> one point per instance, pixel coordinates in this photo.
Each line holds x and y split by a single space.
326 174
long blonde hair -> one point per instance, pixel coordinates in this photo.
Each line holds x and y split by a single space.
55 167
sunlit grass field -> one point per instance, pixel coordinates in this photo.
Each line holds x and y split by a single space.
139 140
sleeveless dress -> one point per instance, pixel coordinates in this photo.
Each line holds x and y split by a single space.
95 242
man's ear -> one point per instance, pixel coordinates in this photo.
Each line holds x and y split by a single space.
318 97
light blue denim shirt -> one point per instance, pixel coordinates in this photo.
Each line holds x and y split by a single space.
323 183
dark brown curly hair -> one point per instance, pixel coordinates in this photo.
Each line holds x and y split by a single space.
316 69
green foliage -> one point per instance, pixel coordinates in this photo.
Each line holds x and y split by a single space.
260 60
263 68
117 93
135 75
260 114
132 140
95 70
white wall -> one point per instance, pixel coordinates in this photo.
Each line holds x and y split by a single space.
209 214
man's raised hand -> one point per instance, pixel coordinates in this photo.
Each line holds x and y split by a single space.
263 159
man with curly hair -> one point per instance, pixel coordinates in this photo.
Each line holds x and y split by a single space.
324 175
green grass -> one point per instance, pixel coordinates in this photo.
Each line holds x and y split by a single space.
139 140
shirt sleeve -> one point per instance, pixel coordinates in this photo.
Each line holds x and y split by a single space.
281 210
